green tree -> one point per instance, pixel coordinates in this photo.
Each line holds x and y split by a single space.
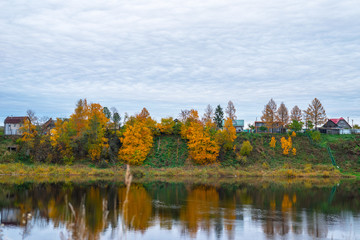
107 113
219 116
296 125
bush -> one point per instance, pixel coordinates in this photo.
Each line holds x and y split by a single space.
246 148
265 165
316 136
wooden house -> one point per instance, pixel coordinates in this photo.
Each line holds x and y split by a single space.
336 126
12 125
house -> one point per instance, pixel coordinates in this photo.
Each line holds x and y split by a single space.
238 124
336 126
12 125
258 127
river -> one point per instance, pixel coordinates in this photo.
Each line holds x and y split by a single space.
245 209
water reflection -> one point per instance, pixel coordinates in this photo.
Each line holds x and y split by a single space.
158 210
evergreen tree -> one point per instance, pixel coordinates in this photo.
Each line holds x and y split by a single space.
219 116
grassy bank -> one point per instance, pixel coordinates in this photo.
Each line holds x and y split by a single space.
214 171
169 158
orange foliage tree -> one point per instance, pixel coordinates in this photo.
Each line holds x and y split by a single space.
203 148
286 145
137 139
273 142
166 125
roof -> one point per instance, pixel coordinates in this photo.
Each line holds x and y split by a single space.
336 120
49 123
238 123
14 120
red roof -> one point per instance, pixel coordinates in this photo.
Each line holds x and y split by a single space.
14 120
336 120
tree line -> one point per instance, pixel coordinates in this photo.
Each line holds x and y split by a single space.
97 133
275 117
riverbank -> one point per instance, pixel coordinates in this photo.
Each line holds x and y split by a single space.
213 171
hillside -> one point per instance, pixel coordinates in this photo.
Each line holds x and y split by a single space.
171 151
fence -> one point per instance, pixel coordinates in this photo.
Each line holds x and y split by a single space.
320 146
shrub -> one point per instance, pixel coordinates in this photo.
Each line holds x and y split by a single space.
290 173
273 142
265 165
308 167
246 148
326 174
315 136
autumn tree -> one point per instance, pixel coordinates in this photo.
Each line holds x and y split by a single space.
227 135
208 115
230 111
183 116
219 116
269 114
97 143
282 115
296 114
137 139
166 125
203 149
32 117
316 113
29 133
80 116
137 142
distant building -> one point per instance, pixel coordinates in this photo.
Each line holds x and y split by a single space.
238 124
47 126
12 125
336 126
258 127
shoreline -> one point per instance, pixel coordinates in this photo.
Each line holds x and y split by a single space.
199 172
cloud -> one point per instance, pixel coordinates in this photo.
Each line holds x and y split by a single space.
171 55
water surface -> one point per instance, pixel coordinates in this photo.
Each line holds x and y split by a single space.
254 209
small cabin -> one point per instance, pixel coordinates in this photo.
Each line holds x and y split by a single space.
336 126
12 125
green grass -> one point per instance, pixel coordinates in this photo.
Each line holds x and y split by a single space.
1 131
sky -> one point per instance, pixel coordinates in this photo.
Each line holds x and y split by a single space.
169 55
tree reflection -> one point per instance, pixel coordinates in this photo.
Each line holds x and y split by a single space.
200 204
86 210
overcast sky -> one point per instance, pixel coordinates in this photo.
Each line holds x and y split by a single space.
168 55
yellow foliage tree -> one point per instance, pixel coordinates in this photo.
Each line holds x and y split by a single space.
286 145
95 132
202 148
61 137
273 142
28 133
227 135
166 125
136 142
